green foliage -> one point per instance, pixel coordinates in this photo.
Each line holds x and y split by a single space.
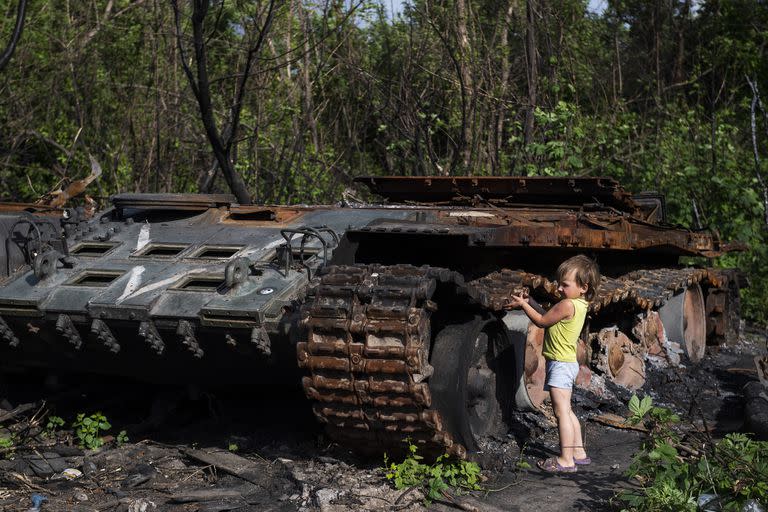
659 420
735 469
232 447
54 423
121 438
8 444
88 430
442 476
639 408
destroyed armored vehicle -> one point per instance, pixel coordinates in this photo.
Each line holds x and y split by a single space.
390 315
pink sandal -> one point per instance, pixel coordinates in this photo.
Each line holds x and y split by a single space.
551 465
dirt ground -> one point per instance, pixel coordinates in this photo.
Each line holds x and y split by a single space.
193 451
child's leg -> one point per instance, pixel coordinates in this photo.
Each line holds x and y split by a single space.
578 445
561 401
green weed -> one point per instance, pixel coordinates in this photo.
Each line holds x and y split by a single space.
7 444
88 429
54 423
443 476
673 476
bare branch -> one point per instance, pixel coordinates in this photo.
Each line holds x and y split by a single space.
757 103
252 52
5 57
106 18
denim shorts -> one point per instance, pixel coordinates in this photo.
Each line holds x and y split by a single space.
561 375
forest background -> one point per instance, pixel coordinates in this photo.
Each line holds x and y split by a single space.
286 101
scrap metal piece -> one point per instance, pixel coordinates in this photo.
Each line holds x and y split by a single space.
260 338
59 197
616 421
148 331
7 334
620 358
100 329
66 328
187 333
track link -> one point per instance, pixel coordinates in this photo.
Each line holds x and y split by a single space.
367 350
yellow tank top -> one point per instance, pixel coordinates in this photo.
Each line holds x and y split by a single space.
561 339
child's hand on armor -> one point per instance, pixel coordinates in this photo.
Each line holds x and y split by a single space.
516 301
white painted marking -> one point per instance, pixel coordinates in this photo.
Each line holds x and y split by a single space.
264 249
143 237
270 245
164 282
133 282
471 213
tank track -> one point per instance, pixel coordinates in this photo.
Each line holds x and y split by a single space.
368 336
367 349
643 289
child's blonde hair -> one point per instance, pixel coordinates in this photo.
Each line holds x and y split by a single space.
586 273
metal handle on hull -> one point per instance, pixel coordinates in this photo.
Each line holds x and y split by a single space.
307 232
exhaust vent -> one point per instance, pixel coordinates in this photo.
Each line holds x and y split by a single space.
96 278
93 249
160 251
200 283
216 252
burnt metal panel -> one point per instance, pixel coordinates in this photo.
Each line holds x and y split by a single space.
538 190
172 201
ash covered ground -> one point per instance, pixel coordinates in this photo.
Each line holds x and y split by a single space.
190 450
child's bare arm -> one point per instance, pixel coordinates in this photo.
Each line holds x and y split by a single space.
562 310
536 306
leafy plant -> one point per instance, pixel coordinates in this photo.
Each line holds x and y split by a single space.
436 479
88 429
639 408
658 420
673 476
54 423
7 444
122 438
233 447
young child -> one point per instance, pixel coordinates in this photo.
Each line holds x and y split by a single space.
578 278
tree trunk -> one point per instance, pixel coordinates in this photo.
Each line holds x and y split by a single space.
503 86
467 86
532 68
682 25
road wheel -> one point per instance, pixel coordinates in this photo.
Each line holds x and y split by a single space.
472 384
685 321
